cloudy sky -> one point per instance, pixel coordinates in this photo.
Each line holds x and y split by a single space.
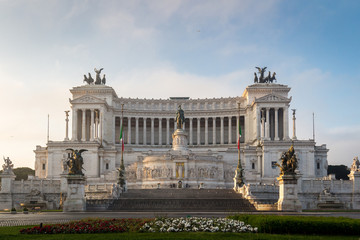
147 47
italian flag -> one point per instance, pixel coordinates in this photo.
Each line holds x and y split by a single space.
239 136
121 139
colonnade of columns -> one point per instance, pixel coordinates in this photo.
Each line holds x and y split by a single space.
158 131
86 125
272 123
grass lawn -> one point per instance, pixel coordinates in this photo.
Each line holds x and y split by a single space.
13 233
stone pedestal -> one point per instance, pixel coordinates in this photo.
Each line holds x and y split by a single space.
7 180
180 140
354 176
288 193
75 200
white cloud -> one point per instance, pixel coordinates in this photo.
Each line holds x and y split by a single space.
166 82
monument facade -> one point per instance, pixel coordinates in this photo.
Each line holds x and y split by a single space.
211 129
185 143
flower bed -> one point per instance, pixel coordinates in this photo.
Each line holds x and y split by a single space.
89 226
196 224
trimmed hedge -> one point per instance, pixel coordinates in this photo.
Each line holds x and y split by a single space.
301 224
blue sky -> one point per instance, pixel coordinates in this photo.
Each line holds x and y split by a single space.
147 47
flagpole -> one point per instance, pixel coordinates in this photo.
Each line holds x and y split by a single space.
122 139
122 166
239 181
239 160
48 128
314 127
239 157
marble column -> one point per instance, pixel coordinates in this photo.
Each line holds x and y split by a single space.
267 124
97 124
114 128
74 125
66 126
137 131
230 128
190 131
276 124
167 131
237 127
83 130
198 132
92 125
263 125
286 122
129 131
221 130
144 131
160 131
206 131
101 122
258 123
214 130
152 131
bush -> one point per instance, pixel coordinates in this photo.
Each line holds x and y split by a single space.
301 225
89 226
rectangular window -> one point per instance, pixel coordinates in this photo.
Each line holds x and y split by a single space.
107 166
273 165
318 165
43 166
253 165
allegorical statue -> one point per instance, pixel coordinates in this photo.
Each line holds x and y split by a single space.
8 166
180 118
262 78
98 72
75 162
256 79
261 72
355 167
98 80
288 162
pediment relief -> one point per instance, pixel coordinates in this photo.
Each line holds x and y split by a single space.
87 99
273 98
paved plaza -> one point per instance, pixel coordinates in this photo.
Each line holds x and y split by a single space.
20 219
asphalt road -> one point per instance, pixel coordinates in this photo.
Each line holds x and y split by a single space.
20 219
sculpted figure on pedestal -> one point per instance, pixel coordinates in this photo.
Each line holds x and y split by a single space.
288 162
180 118
355 167
75 162
8 166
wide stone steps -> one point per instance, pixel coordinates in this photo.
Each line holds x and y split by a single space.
160 200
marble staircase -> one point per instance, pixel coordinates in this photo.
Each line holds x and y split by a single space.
163 200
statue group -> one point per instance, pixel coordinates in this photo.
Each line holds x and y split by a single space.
8 166
98 80
288 162
262 78
75 162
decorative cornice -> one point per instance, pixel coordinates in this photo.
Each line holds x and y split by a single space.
272 98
